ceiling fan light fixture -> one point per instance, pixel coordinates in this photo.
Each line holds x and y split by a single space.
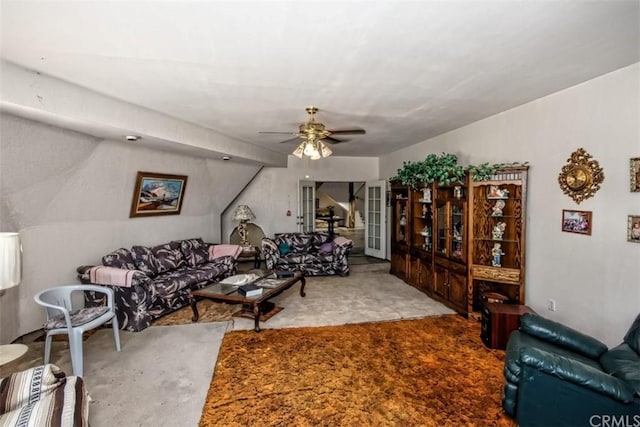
312 148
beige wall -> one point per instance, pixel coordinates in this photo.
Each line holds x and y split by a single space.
69 196
595 279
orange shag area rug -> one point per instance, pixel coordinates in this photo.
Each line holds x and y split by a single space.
425 372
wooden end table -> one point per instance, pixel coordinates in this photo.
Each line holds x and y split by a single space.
250 252
498 321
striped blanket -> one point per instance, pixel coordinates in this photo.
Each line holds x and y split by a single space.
111 276
43 397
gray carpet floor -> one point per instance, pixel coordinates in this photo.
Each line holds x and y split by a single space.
162 375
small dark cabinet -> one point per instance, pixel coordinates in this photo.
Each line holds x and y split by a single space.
498 321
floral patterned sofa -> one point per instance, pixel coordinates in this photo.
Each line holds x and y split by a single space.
313 253
149 282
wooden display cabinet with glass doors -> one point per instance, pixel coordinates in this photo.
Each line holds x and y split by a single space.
497 237
450 245
421 250
400 226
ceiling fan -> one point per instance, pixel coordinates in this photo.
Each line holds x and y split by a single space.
315 131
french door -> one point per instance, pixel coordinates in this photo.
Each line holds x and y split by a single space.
375 221
307 206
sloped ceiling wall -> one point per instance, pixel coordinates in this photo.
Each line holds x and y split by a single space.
69 196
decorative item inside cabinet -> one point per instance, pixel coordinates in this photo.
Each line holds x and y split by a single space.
422 221
401 217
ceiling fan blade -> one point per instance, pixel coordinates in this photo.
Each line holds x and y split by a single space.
290 140
280 133
332 140
348 132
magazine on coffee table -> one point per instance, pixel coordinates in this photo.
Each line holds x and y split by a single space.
269 283
240 279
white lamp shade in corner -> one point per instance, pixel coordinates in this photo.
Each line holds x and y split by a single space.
10 266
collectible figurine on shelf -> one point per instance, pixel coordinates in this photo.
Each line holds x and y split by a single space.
425 211
495 192
456 233
496 253
403 217
457 251
497 208
457 192
498 230
426 195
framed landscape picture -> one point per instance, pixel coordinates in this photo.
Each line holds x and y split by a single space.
635 174
157 194
633 229
576 221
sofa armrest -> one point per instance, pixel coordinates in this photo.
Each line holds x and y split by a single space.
341 247
561 335
101 275
576 372
270 252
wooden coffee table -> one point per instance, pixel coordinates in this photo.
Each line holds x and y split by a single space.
256 305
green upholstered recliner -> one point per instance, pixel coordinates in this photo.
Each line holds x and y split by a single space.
557 376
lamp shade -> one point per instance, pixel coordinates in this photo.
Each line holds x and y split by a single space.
10 267
312 148
243 213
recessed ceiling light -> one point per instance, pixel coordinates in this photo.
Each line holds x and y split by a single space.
226 158
132 137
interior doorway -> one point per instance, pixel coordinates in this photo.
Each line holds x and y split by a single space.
341 204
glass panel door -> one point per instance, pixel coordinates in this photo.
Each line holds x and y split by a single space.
374 213
441 227
457 235
307 206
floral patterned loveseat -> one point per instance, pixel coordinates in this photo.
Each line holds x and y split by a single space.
149 282
312 253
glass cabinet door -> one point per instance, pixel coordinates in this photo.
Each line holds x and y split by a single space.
441 224
457 231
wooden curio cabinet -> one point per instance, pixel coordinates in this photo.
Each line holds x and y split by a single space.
451 246
430 245
497 236
400 230
457 243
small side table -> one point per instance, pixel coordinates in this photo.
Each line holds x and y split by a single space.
251 252
498 321
11 352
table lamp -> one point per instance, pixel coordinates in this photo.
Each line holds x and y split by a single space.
10 275
243 214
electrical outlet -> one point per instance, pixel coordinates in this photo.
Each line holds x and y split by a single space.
551 305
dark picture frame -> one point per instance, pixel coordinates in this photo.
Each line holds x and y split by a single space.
578 222
634 171
633 229
157 194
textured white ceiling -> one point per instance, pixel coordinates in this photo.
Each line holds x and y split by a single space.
404 71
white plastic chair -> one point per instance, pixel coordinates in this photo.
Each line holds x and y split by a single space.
62 318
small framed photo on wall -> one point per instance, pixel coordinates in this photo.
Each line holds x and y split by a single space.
634 169
576 221
633 228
